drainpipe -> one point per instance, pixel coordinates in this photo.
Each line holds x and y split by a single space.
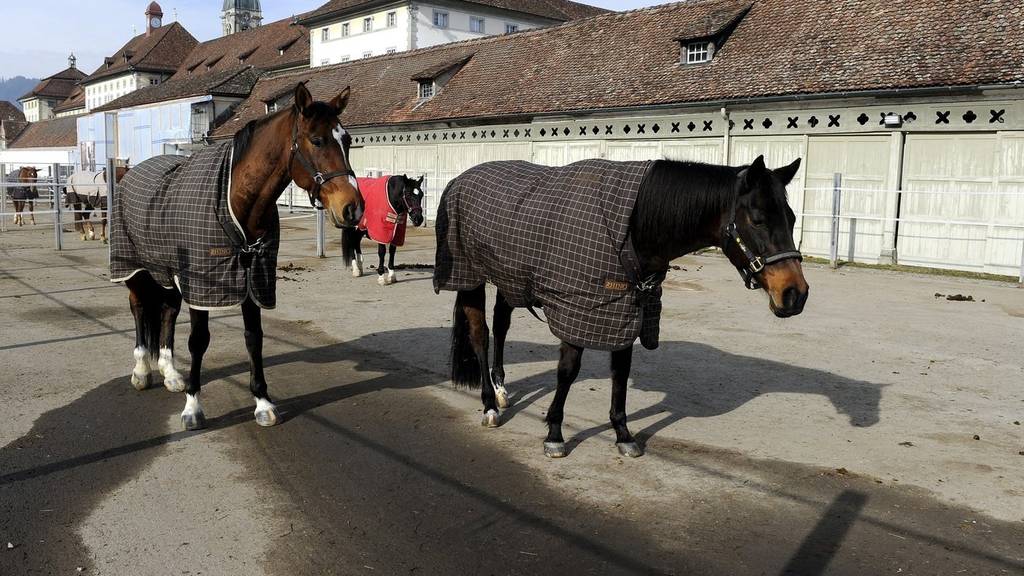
725 139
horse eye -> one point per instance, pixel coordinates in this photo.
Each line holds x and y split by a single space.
317 142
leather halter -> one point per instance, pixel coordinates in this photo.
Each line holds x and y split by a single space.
319 178
409 208
755 264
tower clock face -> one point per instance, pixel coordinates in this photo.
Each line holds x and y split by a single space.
154 22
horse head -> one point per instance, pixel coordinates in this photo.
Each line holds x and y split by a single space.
758 239
320 163
408 194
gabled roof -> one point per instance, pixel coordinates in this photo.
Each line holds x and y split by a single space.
73 102
632 59
161 51
436 70
54 133
58 86
11 129
227 66
9 111
558 10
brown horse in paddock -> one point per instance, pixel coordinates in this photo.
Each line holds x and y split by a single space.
494 224
23 196
233 261
87 192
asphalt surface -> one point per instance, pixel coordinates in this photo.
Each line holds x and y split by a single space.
380 468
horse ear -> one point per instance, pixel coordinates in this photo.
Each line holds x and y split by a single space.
786 173
420 181
302 97
341 100
750 175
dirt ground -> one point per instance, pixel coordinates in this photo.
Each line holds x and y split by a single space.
879 432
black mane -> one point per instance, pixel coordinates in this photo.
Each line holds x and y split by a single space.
678 197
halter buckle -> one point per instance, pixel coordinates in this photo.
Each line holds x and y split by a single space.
756 264
319 178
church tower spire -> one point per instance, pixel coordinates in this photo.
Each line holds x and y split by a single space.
240 15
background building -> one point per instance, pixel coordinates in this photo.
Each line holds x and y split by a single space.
240 15
343 30
39 104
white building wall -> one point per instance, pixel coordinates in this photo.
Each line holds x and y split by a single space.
338 48
99 93
41 158
459 26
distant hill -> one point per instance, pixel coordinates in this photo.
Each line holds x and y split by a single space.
13 88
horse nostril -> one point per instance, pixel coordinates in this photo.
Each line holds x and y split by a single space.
791 298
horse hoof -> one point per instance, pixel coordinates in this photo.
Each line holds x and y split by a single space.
391 278
555 449
501 395
175 383
631 449
193 421
267 417
357 271
382 280
490 419
140 381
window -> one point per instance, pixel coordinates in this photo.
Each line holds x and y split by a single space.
368 24
344 29
391 50
392 19
345 58
697 52
510 28
325 34
325 61
367 54
476 24
440 19
426 88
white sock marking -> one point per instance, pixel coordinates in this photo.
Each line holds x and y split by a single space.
192 406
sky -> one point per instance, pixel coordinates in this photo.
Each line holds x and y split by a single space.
39 34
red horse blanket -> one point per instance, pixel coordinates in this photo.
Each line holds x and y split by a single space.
383 224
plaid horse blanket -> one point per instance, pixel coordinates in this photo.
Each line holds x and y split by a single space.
20 193
171 218
557 238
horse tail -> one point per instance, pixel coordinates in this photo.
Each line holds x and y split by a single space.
350 238
464 363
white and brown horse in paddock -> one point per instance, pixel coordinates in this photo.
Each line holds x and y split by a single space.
85 193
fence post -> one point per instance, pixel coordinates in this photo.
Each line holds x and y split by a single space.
3 197
111 183
320 240
833 248
1020 278
58 226
291 198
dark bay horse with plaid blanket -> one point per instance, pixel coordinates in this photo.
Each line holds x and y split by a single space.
590 243
205 231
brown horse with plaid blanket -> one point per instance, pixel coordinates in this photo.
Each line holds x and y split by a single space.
590 243
304 143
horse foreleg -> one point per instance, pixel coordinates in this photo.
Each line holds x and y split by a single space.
502 322
266 413
198 341
391 264
381 252
169 308
32 212
568 369
103 228
622 361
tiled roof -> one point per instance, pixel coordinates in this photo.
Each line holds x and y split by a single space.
73 102
9 111
58 86
624 60
560 10
11 129
55 133
162 51
228 65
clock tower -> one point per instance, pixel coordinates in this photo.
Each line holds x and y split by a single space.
240 15
154 17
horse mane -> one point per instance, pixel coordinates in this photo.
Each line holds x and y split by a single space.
680 196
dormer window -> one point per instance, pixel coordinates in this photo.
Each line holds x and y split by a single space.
699 52
426 89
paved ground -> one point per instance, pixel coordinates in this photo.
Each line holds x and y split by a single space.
873 434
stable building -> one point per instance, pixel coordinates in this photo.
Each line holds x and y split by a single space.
922 118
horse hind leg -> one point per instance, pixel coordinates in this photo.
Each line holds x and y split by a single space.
137 298
170 306
502 322
569 360
469 351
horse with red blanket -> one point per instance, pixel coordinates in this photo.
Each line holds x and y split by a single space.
389 199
